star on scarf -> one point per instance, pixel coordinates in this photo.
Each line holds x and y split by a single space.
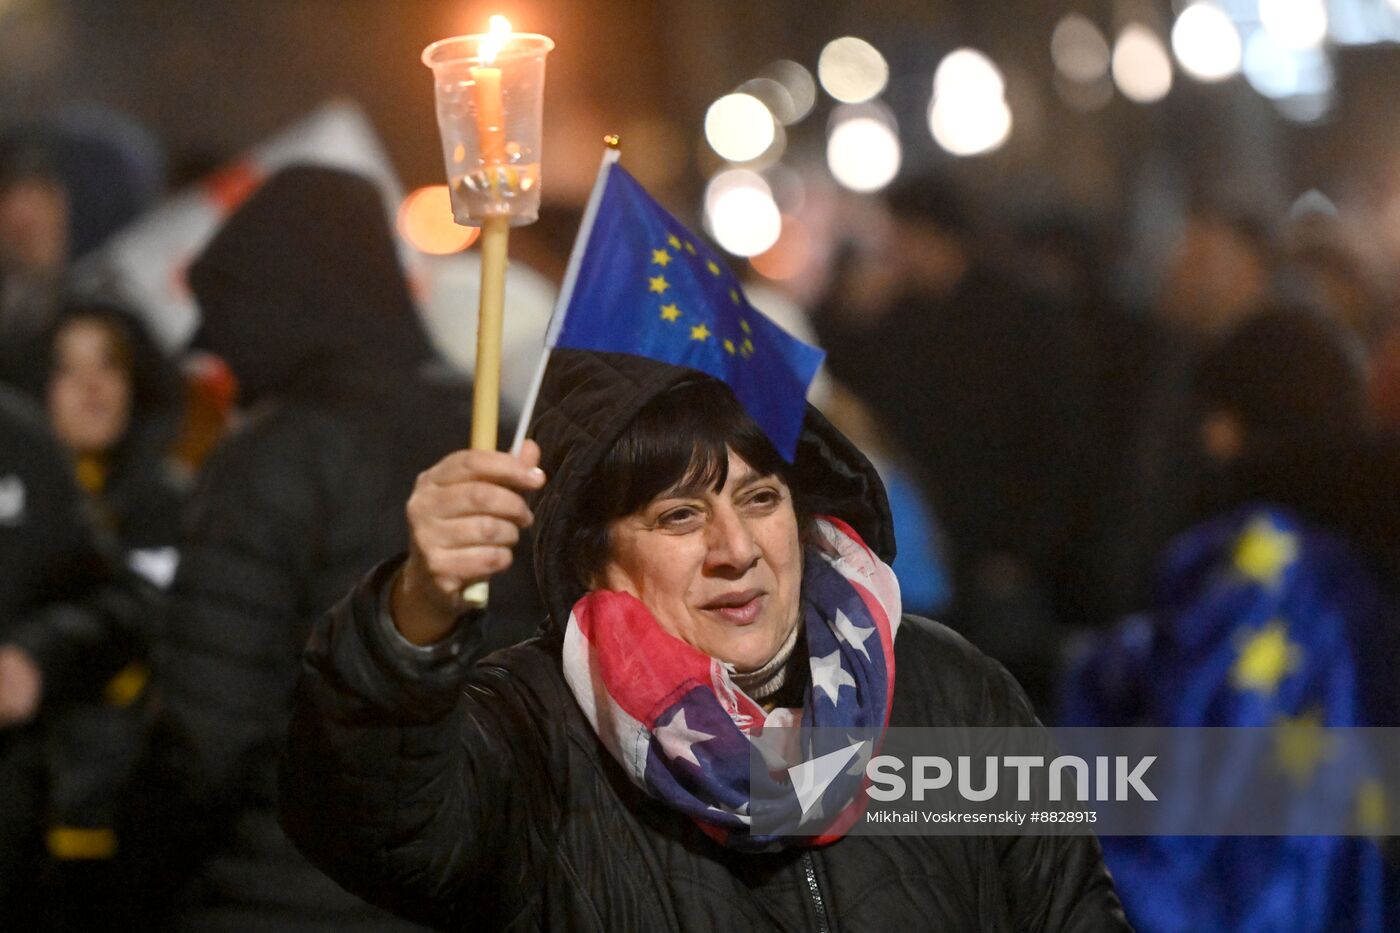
852 634
829 676
677 739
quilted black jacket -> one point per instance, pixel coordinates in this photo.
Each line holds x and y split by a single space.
476 796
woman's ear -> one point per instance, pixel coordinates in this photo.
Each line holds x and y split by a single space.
1222 436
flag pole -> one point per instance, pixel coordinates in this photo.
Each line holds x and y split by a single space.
611 155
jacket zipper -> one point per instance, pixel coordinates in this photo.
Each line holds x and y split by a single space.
819 905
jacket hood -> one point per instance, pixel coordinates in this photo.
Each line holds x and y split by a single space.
304 279
586 401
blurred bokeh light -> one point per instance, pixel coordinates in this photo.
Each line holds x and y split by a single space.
425 221
1079 49
1206 43
968 114
863 150
1141 67
739 127
740 212
852 70
800 86
1295 24
789 256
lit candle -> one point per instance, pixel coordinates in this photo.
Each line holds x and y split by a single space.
486 90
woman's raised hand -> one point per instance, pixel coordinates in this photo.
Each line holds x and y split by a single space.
464 516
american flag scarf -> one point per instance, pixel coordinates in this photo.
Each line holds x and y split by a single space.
674 719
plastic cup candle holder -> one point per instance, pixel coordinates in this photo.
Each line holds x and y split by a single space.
490 90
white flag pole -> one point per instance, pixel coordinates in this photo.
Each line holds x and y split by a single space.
566 290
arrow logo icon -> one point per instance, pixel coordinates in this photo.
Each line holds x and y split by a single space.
810 779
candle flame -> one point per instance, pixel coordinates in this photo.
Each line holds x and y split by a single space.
496 39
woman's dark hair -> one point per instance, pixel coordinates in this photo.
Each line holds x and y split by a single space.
679 440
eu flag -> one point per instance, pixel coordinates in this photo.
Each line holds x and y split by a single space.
1260 619
646 285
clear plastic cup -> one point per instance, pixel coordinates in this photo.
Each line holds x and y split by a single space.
493 166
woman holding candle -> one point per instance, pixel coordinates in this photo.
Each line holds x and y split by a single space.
679 556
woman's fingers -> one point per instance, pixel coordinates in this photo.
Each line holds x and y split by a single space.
490 466
471 531
464 516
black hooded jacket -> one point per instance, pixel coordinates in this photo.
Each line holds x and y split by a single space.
478 796
302 294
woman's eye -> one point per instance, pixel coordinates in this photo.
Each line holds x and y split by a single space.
677 517
764 498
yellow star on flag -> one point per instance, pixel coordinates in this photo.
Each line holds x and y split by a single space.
734 295
690 247
1263 552
744 326
661 257
674 240
1301 744
670 312
659 284
729 347
746 347
1265 657
700 332
713 267
1372 811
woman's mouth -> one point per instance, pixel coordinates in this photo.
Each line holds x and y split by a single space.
738 608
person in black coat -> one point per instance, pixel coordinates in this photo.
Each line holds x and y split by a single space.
302 294
669 535
70 619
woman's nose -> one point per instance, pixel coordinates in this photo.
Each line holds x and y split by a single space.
731 541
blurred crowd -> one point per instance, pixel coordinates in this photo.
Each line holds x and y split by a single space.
1077 476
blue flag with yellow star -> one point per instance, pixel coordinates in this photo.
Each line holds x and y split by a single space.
1260 620
646 285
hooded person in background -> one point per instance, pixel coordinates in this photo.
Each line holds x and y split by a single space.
69 621
114 401
302 294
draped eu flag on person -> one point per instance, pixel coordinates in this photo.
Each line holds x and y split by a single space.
1260 620
646 285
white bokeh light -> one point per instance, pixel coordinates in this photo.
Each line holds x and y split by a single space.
739 127
863 150
852 70
969 127
1269 67
969 115
968 73
798 82
1141 67
773 95
1206 43
741 213
1079 49
1295 24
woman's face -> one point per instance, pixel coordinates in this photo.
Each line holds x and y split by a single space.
89 389
721 571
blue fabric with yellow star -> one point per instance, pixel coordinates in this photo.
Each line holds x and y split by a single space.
1260 620
648 286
